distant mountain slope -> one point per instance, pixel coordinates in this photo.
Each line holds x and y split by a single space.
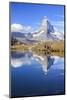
18 34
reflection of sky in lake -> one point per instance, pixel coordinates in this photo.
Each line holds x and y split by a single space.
29 77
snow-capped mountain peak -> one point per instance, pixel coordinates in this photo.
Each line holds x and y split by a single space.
47 31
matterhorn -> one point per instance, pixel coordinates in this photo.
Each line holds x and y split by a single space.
47 32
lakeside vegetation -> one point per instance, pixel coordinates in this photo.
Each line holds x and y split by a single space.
55 48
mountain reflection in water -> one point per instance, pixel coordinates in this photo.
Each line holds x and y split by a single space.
19 59
33 75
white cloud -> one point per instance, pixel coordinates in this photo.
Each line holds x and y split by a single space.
17 28
27 28
20 28
16 63
19 62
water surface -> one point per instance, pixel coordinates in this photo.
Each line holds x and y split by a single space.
28 76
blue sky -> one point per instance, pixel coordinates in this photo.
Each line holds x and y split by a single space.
32 14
